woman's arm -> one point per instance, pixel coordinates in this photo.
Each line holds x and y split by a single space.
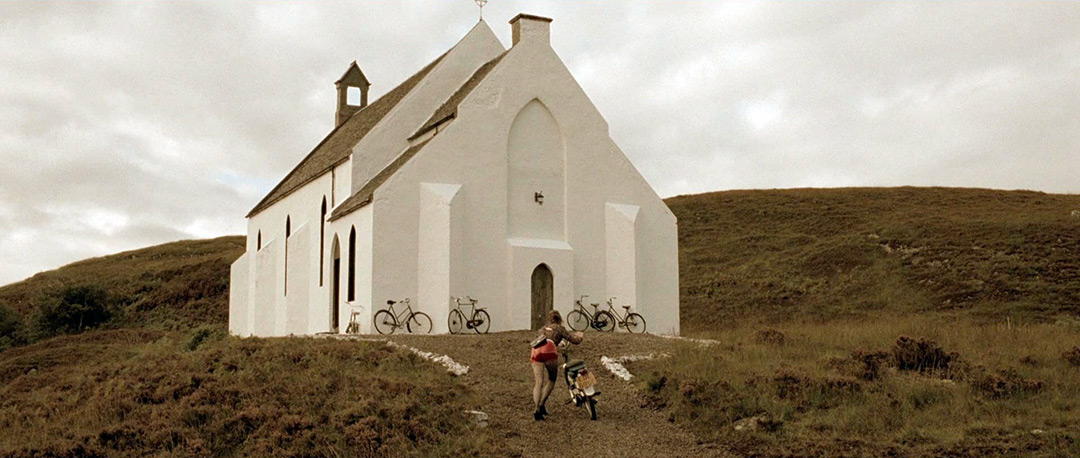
574 337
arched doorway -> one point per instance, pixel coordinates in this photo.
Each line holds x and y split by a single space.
543 298
335 283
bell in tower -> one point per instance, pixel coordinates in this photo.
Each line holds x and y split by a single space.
353 78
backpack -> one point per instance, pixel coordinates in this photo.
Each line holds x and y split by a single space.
539 341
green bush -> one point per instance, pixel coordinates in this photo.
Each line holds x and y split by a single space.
11 328
203 334
72 310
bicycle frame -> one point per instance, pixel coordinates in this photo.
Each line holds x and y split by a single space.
581 307
399 319
611 308
472 302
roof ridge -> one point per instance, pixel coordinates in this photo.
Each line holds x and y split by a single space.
284 187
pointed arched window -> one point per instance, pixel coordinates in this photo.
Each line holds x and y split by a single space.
352 264
322 240
288 232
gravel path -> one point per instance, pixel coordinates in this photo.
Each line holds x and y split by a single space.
499 371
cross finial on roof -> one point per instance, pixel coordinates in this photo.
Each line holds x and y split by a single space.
481 4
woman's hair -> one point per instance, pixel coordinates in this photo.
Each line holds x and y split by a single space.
555 317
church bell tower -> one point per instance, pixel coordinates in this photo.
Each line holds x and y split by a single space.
353 78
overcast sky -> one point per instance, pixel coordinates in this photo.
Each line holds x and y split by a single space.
129 124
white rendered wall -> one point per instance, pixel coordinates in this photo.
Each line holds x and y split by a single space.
239 296
264 313
379 147
439 247
302 207
395 274
620 230
297 300
361 220
472 150
342 178
523 258
536 162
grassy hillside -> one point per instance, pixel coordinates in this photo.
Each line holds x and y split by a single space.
808 293
913 385
177 285
161 393
821 254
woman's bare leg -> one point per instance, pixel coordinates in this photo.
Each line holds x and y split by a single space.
539 375
551 373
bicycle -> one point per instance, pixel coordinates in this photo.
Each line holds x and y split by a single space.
580 319
632 322
387 320
354 325
478 321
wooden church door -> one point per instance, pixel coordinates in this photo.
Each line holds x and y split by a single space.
543 298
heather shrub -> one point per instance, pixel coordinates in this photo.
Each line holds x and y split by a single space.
1072 356
922 355
72 309
870 363
769 336
1005 383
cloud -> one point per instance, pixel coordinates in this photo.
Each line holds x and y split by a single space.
133 123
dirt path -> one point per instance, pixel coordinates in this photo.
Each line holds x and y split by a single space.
499 371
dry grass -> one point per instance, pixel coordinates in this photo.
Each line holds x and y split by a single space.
824 254
156 393
1007 390
809 291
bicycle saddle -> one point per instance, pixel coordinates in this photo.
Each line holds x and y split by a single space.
575 366
627 307
391 302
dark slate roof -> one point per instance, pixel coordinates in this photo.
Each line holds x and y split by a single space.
364 195
448 110
337 146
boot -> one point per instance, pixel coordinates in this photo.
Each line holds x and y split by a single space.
538 416
543 410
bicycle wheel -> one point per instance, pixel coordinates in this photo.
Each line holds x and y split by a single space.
635 323
385 322
604 321
481 321
455 321
577 320
418 322
591 404
354 328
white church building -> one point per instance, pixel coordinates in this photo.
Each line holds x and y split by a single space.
488 173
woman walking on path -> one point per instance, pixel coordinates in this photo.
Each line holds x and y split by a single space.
545 358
